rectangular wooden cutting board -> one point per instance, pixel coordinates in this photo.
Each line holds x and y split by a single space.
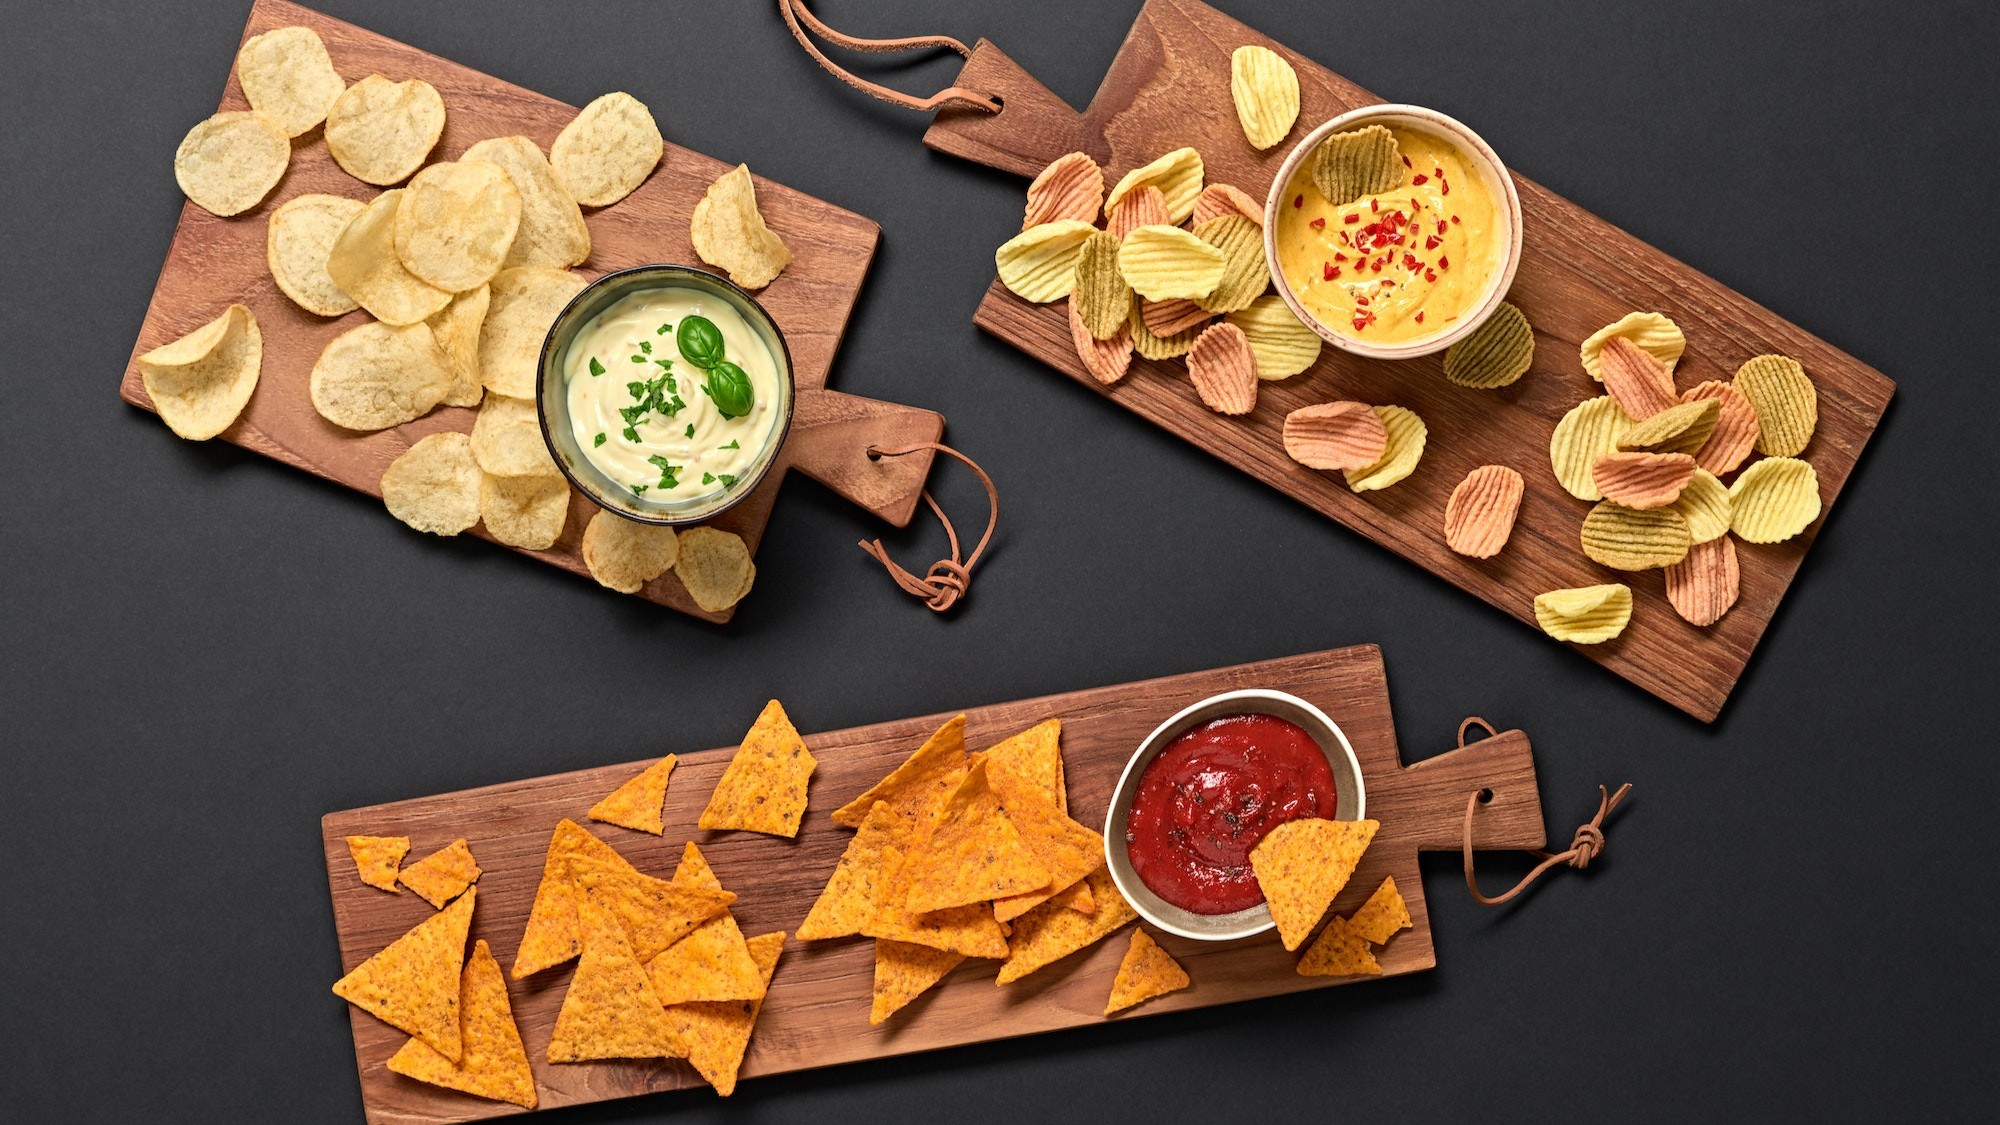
1169 87
817 1011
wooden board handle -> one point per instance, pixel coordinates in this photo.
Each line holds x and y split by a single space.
1032 128
829 441
1426 801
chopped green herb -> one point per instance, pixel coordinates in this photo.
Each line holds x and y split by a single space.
631 435
596 368
708 478
636 389
666 471
727 480
638 359
640 489
646 346
690 430
733 444
599 440
663 330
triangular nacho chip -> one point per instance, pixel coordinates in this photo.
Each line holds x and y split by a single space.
1079 898
610 1011
904 972
1051 931
1382 915
717 1035
1339 952
413 984
442 875
656 912
764 787
712 963
843 907
376 859
929 774
492 1063
553 934
1035 756
637 803
1302 864
1146 972
969 929
1067 849
974 854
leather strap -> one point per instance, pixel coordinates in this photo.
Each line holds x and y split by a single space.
797 14
947 580
1587 844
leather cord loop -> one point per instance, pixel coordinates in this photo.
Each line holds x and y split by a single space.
799 18
947 580
1587 844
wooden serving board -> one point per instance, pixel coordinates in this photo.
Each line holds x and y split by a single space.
817 1011
1168 87
214 262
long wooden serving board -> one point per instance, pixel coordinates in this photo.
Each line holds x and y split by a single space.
214 262
1169 87
816 1013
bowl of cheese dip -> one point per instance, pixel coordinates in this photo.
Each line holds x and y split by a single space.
665 393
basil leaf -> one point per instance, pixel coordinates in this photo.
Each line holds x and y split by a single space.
596 368
700 341
729 388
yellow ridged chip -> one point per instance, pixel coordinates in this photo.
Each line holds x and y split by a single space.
1399 460
201 382
456 327
380 131
364 263
296 245
1245 274
1683 428
374 376
1586 615
1629 539
524 511
1266 91
552 232
1284 346
729 231
1359 162
434 485
1773 500
1101 296
1039 264
1158 347
1161 263
715 567
1655 334
228 163
624 555
1178 175
607 150
1786 404
1071 187
1496 353
455 224
288 77
1704 503
525 301
1590 430
507 439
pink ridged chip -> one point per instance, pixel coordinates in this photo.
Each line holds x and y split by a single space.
1172 316
1479 517
1703 586
1217 200
1641 384
1107 360
1070 188
1336 435
1144 207
1224 369
1735 433
1642 480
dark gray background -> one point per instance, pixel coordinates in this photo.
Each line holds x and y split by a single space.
205 651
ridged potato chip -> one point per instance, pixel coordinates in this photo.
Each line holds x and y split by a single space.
1160 263
1627 539
525 301
729 231
1223 370
624 555
228 163
1145 207
456 223
1590 430
296 245
375 375
1156 347
1655 334
607 150
1642 384
1585 615
1217 200
1703 586
524 511
1681 428
1496 354
380 131
1642 480
1106 360
288 77
507 439
1071 187
1787 406
1406 447
1704 503
1735 433
552 231
1101 296
1266 91
1336 435
1773 500
1178 175
1171 318
456 327
715 567
201 382
1283 343
364 264
1359 162
1479 517
1039 264
434 485
1245 275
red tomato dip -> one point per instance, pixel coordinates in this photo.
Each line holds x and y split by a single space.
1206 799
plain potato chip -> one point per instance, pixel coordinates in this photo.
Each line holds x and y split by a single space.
1773 500
710 964
1301 866
1265 89
228 163
380 131
376 859
1585 615
1107 360
1147 971
1479 517
624 555
1101 296
638 802
1283 344
374 376
1163 262
527 512
1336 435
730 232
1178 175
1071 187
1359 162
1655 334
904 972
554 931
1626 539
1052 931
975 852
1039 264
1245 274
1382 916
287 76
456 327
434 485
1641 384
716 1036
1787 406
456 223
1217 200
492 1062
763 789
442 875
1339 952
1496 354
715 567
525 301
364 264
1146 206
201 382
1406 447
1681 428
1643 480
609 1011
1735 434
1224 370
1167 319
848 899
1153 346
1704 503
1703 586
927 776
412 985
296 245
1590 430
607 150
552 234
507 439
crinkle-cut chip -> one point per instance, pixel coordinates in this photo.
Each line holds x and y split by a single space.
637 804
970 930
655 913
507 439
1164 262
1590 430
525 300
1245 275
927 776
1339 952
1283 343
442 875
1787 406
492 1061
456 327
380 131
288 77
1336 435
201 382
1147 971
1585 615
1655 334
1301 866
1224 370
1067 849
1407 434
1703 586
844 904
764 787
904 972
1217 200
1642 385
715 567
1051 931
1265 89
374 376
609 1011
1071 187
296 245
364 264
1171 318
1178 175
1643 480
976 852
434 486
729 231
1155 347
527 512
376 859
710 964
412 985
1681 428
717 1035
1479 517
1628 539
1359 162
228 163
1773 500
1496 354
1382 916
1039 264
552 233
1101 296
607 150
456 222
1704 503
1145 207
624 555
1107 360
1735 433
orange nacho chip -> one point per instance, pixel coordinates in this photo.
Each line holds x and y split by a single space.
656 912
376 859
1146 972
904 972
1302 864
843 907
610 1011
1051 932
1079 898
974 853
637 804
1035 756
717 1035
969 929
492 1063
764 788
412 985
553 935
442 875
1385 912
924 775
1067 849
713 962
1339 952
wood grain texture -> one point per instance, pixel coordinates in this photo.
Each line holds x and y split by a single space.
1169 86
817 1011
213 262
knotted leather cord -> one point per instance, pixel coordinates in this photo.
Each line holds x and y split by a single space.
1587 844
795 12
947 579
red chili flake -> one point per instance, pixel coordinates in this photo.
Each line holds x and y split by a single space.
1388 284
1416 204
1339 257
1406 162
1431 242
1374 205
1430 275
1420 316
1354 218
1445 188
1377 264
1444 263
1420 179
1317 224
1327 272
1438 172
1299 200
1363 320
1361 300
1440 226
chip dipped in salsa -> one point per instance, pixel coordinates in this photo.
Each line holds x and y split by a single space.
1210 795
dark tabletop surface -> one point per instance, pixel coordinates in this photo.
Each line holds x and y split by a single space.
204 651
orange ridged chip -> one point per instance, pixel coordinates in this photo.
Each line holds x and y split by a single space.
1301 866
1217 200
763 789
1496 354
1641 384
1628 539
929 775
1106 360
1145 207
637 804
1157 347
1655 334
1224 370
412 985
1407 435
904 972
1265 89
609 1011
1245 274
710 964
1642 480
492 1061
1735 434
1283 343
1359 162
1479 517
1590 430
1585 615
1703 586
228 163
716 1036
1704 503
1787 405
380 131
1052 931
1071 187
1039 264
442 875
376 859
1385 913
1171 318
1336 435
201 382
1147 971
1681 428
1339 952
1773 500
1100 295
1178 175
1162 262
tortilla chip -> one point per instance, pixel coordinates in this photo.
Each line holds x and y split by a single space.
1382 915
1051 931
923 776
970 930
764 788
553 935
656 912
443 875
1146 972
717 1035
1302 864
637 803
712 963
1067 849
1035 755
975 852
493 1063
1079 898
413 984
1339 952
844 906
610 1011
904 972
376 859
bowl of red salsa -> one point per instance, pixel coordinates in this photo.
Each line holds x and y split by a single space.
1204 788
